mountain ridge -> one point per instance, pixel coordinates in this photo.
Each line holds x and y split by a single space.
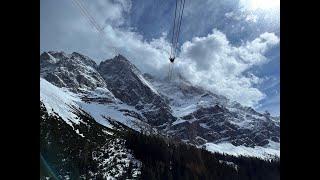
179 110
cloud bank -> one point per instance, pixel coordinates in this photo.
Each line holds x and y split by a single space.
210 61
214 63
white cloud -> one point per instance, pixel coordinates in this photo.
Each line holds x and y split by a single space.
252 18
242 15
214 63
109 11
252 52
147 56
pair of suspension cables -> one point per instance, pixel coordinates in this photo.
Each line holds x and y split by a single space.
178 13
92 21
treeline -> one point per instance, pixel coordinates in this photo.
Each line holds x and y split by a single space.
64 152
164 159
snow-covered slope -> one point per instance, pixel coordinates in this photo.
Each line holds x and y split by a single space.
184 98
59 101
257 151
62 102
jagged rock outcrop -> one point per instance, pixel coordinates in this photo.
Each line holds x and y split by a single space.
73 71
127 83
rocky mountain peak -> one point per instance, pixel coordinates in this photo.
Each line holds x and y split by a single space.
73 71
45 55
85 59
119 64
129 85
60 55
46 58
120 57
124 79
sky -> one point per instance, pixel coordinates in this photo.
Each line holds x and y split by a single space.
230 47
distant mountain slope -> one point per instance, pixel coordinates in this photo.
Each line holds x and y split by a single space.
204 117
115 90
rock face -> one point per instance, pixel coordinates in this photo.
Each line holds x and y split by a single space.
207 117
217 124
179 109
127 83
73 71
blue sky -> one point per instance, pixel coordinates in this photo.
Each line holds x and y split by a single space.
231 47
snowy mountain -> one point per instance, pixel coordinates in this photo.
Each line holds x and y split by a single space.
127 84
207 119
116 91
